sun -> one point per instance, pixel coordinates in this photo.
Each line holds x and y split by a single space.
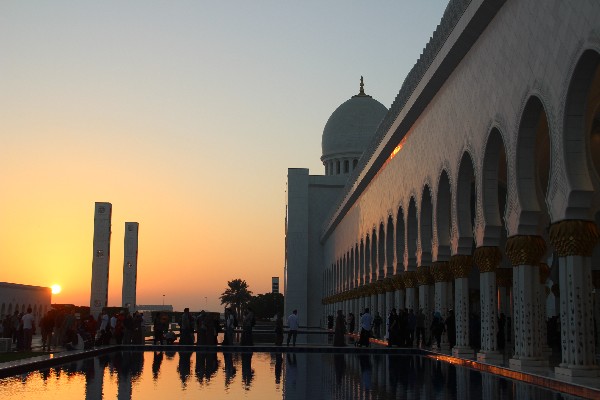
55 289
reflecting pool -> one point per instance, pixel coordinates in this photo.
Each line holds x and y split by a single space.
187 375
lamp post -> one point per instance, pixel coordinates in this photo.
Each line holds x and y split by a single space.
163 299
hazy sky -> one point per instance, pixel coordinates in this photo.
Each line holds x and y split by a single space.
185 115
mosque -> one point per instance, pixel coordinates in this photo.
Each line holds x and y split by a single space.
478 191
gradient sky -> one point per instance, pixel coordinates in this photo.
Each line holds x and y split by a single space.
185 115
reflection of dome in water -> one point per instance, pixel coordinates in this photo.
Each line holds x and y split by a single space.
348 132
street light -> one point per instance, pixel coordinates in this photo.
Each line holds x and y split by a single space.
163 299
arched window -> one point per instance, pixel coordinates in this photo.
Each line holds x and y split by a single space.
346 166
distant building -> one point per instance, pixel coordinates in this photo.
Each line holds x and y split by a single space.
100 258
275 284
153 307
130 265
14 296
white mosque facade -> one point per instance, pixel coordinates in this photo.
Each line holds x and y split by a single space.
478 190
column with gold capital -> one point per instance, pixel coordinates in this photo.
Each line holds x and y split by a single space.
399 296
426 297
410 282
443 288
487 259
461 265
524 253
574 242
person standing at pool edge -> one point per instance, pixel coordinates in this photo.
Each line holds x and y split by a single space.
366 322
293 327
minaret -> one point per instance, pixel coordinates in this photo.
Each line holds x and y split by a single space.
130 265
101 258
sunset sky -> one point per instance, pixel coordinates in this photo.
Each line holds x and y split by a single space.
185 115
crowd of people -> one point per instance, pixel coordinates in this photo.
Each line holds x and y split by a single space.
404 328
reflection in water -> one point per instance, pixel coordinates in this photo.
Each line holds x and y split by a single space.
156 361
247 371
207 366
297 376
184 367
229 369
278 367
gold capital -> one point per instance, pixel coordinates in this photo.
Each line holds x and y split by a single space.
398 282
424 276
461 265
487 258
441 271
574 237
525 249
410 279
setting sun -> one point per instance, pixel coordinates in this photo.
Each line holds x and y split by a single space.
56 289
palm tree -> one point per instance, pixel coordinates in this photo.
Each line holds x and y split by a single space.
236 295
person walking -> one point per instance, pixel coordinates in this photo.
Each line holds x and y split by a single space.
351 323
46 326
28 321
420 342
366 322
229 327
247 323
278 329
340 329
293 327
437 328
377 321
186 328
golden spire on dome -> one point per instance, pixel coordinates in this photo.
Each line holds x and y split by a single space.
361 93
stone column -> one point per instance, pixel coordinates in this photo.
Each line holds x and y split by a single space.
524 253
487 259
442 276
361 306
410 282
374 301
596 281
399 294
461 265
574 242
504 280
542 296
426 301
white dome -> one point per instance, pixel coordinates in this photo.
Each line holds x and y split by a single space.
351 126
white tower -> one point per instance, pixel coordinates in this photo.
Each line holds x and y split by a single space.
130 265
101 258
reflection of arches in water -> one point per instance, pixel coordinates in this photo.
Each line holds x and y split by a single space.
247 371
184 366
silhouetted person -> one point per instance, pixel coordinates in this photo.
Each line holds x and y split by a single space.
340 329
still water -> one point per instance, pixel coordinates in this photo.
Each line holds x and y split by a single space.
187 375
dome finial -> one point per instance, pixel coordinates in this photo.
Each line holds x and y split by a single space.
361 92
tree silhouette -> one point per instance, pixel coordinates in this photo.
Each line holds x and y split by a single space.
236 295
